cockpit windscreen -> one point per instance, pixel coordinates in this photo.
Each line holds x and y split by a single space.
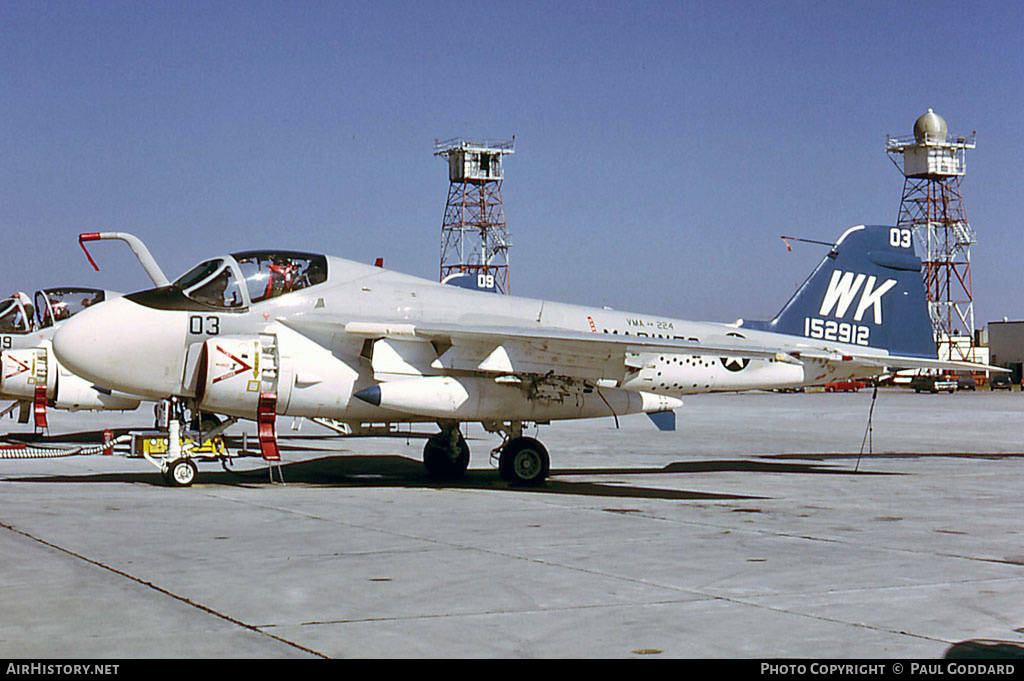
13 317
57 304
212 283
269 274
244 278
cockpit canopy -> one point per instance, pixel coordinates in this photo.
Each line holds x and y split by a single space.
57 304
52 305
16 314
241 279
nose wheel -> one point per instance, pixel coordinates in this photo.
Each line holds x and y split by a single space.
180 473
524 461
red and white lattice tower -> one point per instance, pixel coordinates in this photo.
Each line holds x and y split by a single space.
932 206
474 235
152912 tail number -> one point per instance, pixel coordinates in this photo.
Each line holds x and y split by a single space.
841 332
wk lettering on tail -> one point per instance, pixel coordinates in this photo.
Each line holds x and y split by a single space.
842 291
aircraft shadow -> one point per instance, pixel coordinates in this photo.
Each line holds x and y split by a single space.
897 455
723 466
95 437
404 472
983 649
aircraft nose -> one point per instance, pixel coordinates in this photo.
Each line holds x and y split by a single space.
125 346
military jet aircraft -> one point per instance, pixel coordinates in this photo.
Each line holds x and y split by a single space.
256 334
30 373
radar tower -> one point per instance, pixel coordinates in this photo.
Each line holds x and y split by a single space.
474 235
933 163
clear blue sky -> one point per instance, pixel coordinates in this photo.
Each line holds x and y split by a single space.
662 148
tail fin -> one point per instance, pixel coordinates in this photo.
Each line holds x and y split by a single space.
867 291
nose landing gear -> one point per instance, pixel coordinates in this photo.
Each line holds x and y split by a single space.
180 473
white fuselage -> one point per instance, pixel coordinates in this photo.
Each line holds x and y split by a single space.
318 366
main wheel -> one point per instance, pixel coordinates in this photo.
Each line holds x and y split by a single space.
181 473
204 421
443 460
524 461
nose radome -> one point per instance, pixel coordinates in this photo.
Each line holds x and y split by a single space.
125 346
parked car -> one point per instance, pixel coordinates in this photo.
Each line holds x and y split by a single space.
844 386
966 382
1002 382
933 384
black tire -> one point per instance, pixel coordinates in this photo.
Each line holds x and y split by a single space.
181 473
207 420
441 462
524 461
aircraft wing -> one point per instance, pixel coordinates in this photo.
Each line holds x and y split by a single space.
515 350
404 348
564 346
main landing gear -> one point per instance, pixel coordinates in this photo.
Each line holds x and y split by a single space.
524 461
446 455
521 460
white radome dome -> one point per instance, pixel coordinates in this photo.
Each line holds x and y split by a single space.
930 127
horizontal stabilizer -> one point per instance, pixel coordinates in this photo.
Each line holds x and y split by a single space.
898 362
